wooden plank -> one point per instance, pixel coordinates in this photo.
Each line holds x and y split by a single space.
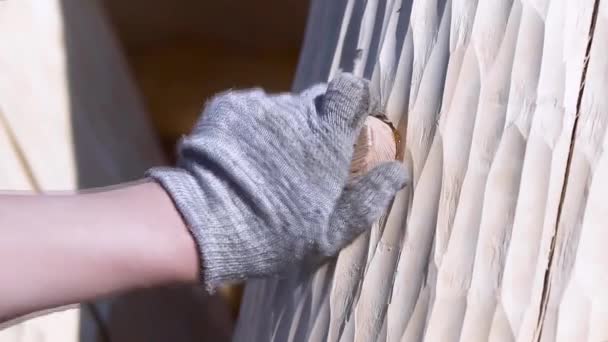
71 117
67 93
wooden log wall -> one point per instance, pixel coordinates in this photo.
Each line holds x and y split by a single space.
501 236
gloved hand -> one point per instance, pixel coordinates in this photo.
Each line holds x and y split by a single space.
261 181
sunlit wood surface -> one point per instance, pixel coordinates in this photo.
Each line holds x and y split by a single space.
501 236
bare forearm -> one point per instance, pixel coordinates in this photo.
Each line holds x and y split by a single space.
62 249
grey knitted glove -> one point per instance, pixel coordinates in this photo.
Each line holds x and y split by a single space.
261 181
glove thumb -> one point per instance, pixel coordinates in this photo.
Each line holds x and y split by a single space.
347 103
361 204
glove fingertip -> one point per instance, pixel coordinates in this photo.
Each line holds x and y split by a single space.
364 201
314 91
347 102
378 188
399 174
388 176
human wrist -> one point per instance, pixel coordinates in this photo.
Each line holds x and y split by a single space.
171 247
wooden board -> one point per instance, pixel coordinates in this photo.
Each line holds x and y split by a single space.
71 118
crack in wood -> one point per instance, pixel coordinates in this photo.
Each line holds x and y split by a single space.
546 280
12 138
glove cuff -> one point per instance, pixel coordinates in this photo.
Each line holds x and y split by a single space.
226 254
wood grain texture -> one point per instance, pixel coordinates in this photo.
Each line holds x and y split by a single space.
499 237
